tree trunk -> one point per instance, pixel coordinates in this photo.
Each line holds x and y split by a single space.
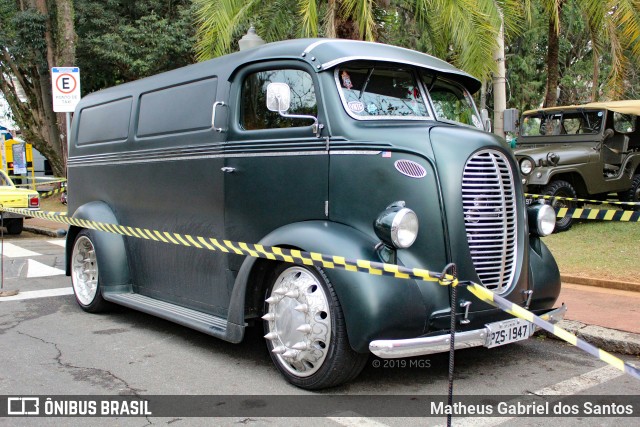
596 76
499 86
40 125
553 54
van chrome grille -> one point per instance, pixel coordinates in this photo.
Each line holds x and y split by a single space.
489 201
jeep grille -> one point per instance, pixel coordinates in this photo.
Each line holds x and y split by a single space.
489 200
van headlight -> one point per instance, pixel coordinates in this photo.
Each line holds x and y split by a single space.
397 226
542 219
526 166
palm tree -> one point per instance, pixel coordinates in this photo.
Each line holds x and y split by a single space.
220 22
615 23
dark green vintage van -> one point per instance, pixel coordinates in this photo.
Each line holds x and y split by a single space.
347 148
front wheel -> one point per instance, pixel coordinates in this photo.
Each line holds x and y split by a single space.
565 190
633 194
305 330
85 276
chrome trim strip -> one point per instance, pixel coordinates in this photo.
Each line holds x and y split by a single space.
390 349
355 152
168 158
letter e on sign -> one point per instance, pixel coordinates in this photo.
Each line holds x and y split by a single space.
65 88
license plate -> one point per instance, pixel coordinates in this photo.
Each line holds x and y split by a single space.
508 331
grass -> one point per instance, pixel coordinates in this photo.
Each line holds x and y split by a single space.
598 249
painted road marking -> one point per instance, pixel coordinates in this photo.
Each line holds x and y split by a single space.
39 294
354 420
38 269
13 251
567 387
58 242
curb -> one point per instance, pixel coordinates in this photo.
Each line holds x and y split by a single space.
45 231
599 283
610 340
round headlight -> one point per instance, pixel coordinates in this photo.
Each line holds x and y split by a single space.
543 218
397 226
526 166
404 228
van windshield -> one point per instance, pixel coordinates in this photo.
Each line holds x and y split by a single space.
375 91
451 102
371 91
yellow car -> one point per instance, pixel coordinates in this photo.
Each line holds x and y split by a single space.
14 197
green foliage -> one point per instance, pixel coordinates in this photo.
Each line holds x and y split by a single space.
123 41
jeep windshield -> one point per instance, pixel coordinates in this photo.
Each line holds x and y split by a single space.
562 123
376 91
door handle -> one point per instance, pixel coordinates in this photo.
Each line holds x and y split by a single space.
213 116
228 169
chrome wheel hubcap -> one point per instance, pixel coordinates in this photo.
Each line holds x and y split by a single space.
299 321
84 270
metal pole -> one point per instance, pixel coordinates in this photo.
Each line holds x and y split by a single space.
68 130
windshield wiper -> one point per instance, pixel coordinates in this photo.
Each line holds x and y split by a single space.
366 82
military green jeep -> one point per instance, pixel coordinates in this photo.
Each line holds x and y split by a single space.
581 151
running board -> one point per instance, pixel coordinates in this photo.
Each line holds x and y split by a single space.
206 323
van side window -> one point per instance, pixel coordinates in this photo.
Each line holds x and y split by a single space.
253 111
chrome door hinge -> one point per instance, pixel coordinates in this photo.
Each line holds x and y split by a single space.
326 208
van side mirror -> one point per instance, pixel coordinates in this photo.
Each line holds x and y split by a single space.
486 121
278 97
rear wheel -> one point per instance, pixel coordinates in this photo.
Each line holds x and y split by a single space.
14 225
561 189
85 276
305 330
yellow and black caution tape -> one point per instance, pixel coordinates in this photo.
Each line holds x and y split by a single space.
241 248
573 199
601 214
486 295
330 261
52 192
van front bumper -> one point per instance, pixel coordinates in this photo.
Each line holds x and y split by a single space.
390 349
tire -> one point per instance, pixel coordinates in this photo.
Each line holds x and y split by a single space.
14 225
633 195
305 330
561 189
85 277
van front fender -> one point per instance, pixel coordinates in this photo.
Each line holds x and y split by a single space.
110 248
373 306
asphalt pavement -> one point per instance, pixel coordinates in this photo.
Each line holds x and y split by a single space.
603 313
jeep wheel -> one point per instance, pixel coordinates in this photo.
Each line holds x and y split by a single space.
633 195
561 189
305 330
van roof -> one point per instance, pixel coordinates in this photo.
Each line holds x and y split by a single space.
321 54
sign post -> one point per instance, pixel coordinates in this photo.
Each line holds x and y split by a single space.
65 90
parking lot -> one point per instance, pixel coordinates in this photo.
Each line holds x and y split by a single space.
51 347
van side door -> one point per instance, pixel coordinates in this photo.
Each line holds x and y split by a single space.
276 167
